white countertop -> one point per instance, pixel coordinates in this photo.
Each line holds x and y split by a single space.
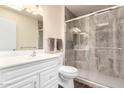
18 60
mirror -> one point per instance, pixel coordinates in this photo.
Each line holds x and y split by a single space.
21 27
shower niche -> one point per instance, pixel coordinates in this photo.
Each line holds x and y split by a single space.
80 41
80 36
103 31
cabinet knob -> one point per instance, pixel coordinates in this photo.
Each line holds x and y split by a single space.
35 84
50 77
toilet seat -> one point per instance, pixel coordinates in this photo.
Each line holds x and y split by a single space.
68 69
68 72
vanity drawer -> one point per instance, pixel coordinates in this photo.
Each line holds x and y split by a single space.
48 77
28 82
13 73
53 84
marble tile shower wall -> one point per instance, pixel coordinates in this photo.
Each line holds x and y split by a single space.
97 49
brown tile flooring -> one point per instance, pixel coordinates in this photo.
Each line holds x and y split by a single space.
80 85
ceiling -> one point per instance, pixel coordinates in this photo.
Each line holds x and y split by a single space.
79 10
38 17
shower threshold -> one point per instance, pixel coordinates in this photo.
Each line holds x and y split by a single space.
90 83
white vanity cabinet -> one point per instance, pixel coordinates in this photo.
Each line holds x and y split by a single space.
35 74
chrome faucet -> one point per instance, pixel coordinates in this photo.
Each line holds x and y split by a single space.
33 53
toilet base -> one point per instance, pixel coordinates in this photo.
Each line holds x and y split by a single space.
66 83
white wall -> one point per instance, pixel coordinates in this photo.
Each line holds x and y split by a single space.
27 32
26 27
53 22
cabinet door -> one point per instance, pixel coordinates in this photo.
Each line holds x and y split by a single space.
49 77
29 82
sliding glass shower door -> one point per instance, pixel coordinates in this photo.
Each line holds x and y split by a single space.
95 46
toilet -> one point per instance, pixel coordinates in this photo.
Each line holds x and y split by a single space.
66 76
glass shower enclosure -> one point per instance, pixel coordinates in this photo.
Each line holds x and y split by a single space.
95 46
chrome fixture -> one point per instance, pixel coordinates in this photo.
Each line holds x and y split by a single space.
33 53
76 30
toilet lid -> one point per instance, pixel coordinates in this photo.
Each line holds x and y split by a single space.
68 69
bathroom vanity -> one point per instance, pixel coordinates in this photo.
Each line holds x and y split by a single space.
29 72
